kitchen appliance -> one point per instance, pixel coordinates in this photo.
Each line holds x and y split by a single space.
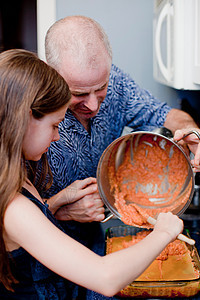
176 43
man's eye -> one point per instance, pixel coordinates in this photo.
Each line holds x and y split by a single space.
80 95
102 88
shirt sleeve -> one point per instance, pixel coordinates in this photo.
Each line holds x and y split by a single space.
142 110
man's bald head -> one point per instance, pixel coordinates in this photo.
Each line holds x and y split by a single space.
79 39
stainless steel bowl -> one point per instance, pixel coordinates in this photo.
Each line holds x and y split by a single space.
114 156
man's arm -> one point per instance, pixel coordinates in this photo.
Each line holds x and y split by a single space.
178 119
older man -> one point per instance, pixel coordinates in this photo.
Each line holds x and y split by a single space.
104 101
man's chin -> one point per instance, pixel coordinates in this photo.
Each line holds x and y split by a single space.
83 116
86 116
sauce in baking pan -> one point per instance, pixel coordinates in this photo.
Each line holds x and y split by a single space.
149 180
174 262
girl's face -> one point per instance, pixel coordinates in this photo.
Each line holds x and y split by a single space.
41 132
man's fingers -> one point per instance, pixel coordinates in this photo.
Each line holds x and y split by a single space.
81 184
78 191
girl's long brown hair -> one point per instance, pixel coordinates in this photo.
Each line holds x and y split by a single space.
26 83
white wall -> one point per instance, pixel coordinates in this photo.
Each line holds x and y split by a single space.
44 21
129 25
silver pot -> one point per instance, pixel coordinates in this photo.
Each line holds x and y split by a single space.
114 156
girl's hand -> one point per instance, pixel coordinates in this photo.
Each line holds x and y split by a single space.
170 224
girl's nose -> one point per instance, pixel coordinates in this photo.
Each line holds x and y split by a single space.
56 137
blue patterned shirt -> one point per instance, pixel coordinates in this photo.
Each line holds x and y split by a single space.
76 154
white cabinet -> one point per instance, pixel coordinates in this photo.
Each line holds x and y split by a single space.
177 43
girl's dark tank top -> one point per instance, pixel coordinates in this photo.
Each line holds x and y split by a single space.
35 280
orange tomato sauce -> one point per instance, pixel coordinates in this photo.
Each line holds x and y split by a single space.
175 253
149 180
175 248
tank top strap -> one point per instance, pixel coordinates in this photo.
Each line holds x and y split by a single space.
43 207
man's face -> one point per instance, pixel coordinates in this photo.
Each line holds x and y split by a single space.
88 89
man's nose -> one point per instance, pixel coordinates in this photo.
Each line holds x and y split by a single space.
92 102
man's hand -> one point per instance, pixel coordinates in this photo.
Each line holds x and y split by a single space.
80 201
192 142
87 209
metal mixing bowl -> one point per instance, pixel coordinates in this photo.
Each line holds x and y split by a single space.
114 156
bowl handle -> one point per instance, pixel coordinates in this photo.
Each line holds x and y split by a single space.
190 132
107 218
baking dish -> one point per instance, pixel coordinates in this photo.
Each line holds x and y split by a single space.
161 288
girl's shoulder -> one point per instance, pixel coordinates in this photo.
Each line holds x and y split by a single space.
13 212
21 217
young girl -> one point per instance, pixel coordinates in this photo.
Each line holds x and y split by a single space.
36 256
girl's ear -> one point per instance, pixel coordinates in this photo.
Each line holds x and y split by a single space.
30 115
30 112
